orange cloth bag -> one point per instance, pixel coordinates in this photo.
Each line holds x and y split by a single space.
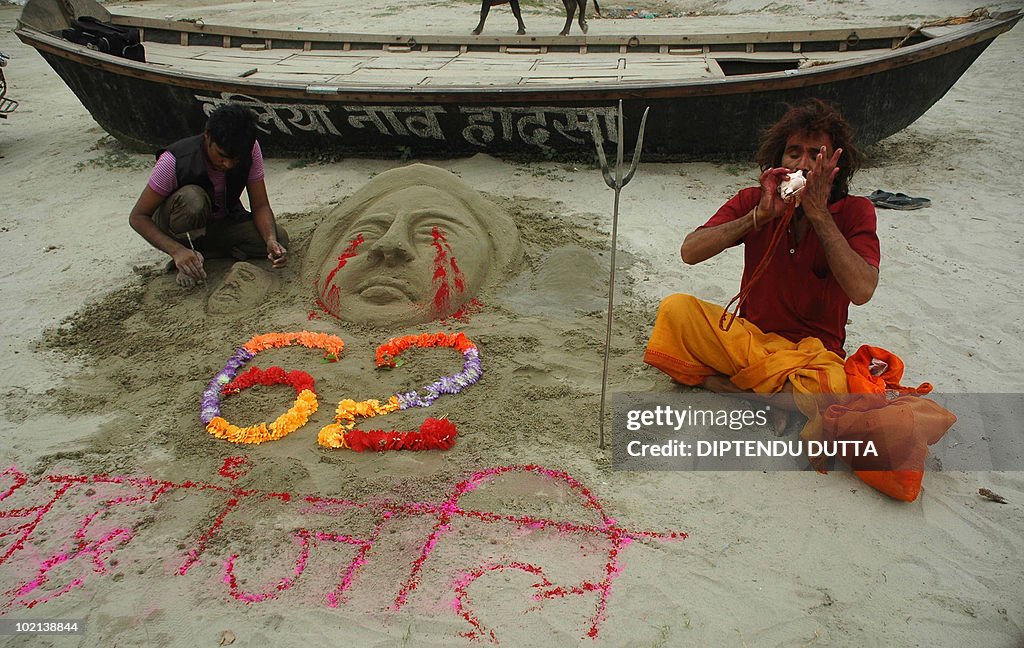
901 428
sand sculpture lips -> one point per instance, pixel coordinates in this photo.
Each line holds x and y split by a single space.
383 290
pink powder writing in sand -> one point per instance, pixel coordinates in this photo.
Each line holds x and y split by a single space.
461 602
87 553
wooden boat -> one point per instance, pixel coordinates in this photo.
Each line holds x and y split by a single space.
532 96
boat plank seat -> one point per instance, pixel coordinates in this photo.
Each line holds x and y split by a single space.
364 67
568 80
467 80
227 54
378 61
291 77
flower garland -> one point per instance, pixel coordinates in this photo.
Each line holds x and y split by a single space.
331 344
433 433
293 419
299 380
296 416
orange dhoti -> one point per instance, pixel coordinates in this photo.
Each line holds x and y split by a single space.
688 345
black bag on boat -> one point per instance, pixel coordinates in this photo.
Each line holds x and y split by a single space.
106 37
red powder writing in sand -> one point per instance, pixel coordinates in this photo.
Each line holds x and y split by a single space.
235 467
329 295
461 604
43 561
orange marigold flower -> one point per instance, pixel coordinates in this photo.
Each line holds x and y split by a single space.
293 419
331 344
332 436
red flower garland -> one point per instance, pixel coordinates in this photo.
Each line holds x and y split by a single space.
390 350
297 378
434 434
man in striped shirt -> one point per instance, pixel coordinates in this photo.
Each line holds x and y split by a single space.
192 206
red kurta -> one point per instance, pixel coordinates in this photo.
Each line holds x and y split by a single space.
798 296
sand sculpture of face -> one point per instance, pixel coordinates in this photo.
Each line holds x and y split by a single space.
413 245
244 288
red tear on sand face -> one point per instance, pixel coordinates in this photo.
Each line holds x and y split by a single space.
446 275
330 301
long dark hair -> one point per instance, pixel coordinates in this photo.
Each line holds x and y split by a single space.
813 116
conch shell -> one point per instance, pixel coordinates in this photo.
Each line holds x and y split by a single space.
792 185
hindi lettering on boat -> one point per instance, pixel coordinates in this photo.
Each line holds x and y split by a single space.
531 125
421 121
573 124
305 117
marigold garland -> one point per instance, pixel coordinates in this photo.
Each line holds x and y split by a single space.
433 434
331 344
293 419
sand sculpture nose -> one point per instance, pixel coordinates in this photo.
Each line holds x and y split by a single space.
395 246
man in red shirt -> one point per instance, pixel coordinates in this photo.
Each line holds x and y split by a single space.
797 303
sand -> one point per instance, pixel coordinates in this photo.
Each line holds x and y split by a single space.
105 359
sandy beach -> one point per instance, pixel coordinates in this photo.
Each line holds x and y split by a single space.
199 542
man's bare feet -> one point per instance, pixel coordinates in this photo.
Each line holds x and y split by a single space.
779 416
778 419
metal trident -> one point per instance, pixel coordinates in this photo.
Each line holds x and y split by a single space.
617 183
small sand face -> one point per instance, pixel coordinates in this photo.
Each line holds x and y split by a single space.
245 287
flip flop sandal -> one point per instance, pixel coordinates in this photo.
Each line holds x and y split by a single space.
903 201
878 194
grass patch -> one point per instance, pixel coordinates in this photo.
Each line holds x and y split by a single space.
115 155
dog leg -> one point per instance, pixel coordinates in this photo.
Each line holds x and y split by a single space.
583 15
519 17
570 12
485 6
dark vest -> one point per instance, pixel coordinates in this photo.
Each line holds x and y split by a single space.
190 168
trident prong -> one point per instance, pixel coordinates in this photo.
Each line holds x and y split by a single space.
616 183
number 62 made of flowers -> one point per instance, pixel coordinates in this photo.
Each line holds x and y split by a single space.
434 434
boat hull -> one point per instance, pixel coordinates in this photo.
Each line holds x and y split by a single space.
709 119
